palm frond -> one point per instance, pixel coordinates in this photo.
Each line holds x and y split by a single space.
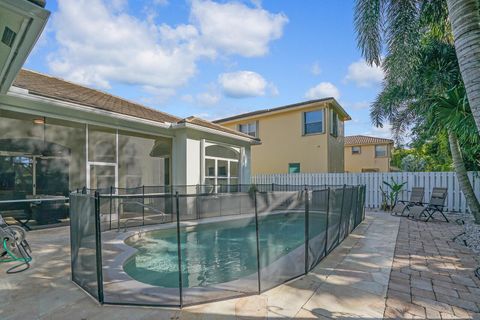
369 26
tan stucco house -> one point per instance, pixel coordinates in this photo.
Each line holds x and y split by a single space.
302 137
368 154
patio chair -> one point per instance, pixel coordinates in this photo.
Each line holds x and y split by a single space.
14 247
416 197
427 210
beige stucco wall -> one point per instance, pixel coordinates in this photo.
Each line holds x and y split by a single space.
336 161
366 159
283 142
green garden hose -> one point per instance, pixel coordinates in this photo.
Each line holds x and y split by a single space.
25 260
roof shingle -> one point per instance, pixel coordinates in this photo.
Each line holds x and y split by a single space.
59 89
362 140
51 87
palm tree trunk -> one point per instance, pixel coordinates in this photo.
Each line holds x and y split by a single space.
465 20
462 176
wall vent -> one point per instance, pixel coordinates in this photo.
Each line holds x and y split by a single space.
8 36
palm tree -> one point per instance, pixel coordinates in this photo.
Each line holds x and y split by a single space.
451 112
420 63
398 25
465 20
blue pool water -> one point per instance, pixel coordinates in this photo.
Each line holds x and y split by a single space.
216 252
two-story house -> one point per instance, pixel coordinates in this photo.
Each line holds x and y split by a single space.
368 154
301 137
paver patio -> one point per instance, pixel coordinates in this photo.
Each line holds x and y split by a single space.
432 276
352 282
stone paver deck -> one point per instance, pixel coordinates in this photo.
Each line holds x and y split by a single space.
351 283
432 277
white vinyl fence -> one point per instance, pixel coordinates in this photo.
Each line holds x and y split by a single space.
455 199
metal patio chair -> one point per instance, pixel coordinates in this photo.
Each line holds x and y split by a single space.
416 198
427 210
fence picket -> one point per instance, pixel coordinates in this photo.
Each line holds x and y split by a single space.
455 199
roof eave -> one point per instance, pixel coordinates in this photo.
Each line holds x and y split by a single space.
287 108
215 131
25 94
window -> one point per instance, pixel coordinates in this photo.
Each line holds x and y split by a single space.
313 122
294 168
221 165
380 151
334 123
249 128
356 150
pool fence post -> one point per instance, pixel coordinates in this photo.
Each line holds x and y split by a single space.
98 247
326 222
364 198
111 193
349 216
341 212
258 242
143 205
179 250
307 231
273 186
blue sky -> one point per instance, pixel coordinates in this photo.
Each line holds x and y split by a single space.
212 58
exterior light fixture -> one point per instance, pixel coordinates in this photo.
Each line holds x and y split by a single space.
39 121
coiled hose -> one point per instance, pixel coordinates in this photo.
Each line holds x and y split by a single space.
24 260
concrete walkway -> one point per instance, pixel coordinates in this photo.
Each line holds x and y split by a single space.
432 276
351 283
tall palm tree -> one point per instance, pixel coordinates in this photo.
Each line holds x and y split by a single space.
465 20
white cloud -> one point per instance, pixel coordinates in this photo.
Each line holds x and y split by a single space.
98 46
323 90
236 28
316 70
242 84
157 95
364 75
99 43
207 98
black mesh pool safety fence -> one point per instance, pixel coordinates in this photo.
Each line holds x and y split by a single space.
185 245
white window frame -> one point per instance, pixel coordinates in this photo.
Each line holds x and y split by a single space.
216 159
248 125
359 150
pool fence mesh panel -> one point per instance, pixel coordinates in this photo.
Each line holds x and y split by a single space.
83 242
196 244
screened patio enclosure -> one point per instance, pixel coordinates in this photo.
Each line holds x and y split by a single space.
42 159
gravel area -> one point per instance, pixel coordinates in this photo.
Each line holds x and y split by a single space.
471 235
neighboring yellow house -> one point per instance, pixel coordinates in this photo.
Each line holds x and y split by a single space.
301 137
368 154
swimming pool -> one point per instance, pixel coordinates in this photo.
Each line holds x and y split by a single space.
219 252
